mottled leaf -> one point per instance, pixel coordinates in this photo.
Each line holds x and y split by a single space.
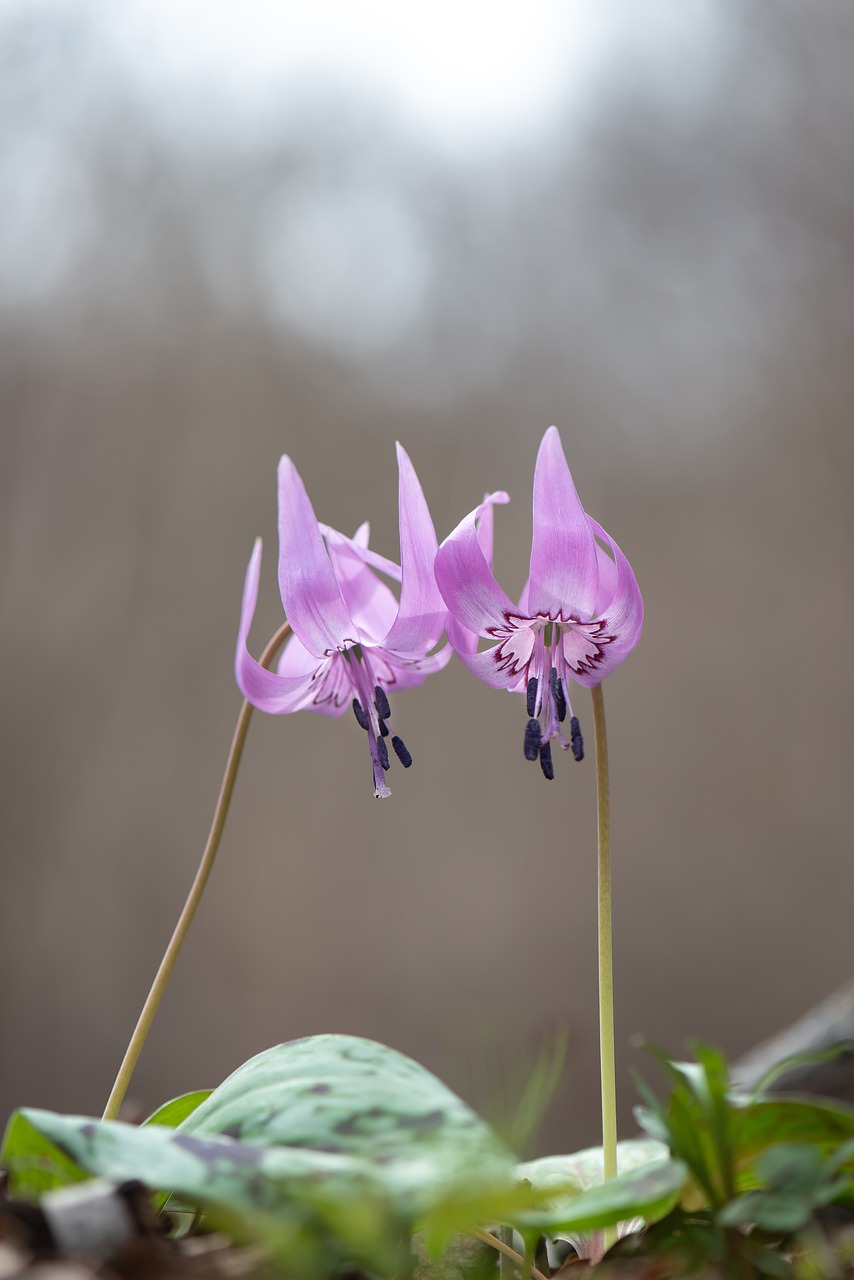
344 1095
327 1119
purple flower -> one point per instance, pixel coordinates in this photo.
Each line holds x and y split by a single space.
353 642
579 615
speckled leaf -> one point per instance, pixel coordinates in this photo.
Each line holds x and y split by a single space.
332 1117
208 1169
282 1196
344 1095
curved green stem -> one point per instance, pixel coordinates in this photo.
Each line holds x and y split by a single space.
606 968
167 964
495 1242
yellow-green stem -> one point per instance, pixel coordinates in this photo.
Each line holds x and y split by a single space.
167 964
606 969
508 1251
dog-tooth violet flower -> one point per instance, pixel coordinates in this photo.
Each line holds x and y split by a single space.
353 642
579 616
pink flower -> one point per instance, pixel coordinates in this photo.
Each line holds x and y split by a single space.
579 615
353 642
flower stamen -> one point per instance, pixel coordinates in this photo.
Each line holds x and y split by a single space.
531 694
532 739
558 695
382 752
575 739
381 703
546 761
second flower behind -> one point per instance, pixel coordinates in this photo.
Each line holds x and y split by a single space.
353 642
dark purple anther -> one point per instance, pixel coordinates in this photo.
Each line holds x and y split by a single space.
546 761
382 752
575 739
402 751
558 695
531 691
359 713
532 739
381 701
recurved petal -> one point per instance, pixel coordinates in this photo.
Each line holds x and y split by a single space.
313 602
466 582
607 580
466 641
421 617
623 613
264 689
564 564
486 521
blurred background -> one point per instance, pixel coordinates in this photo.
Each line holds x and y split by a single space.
229 231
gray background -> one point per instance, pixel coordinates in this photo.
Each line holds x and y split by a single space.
663 268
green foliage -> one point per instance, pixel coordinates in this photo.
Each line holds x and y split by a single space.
175 1112
333 1149
763 1162
720 1134
332 1139
35 1164
796 1179
336 1139
569 1193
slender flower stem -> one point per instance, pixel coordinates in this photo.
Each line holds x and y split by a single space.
508 1252
606 969
167 964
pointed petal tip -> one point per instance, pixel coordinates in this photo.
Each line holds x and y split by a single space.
552 442
564 567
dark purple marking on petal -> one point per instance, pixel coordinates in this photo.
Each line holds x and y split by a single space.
320 1087
546 761
576 741
401 751
531 695
382 752
383 708
532 739
558 695
359 713
517 644
583 644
